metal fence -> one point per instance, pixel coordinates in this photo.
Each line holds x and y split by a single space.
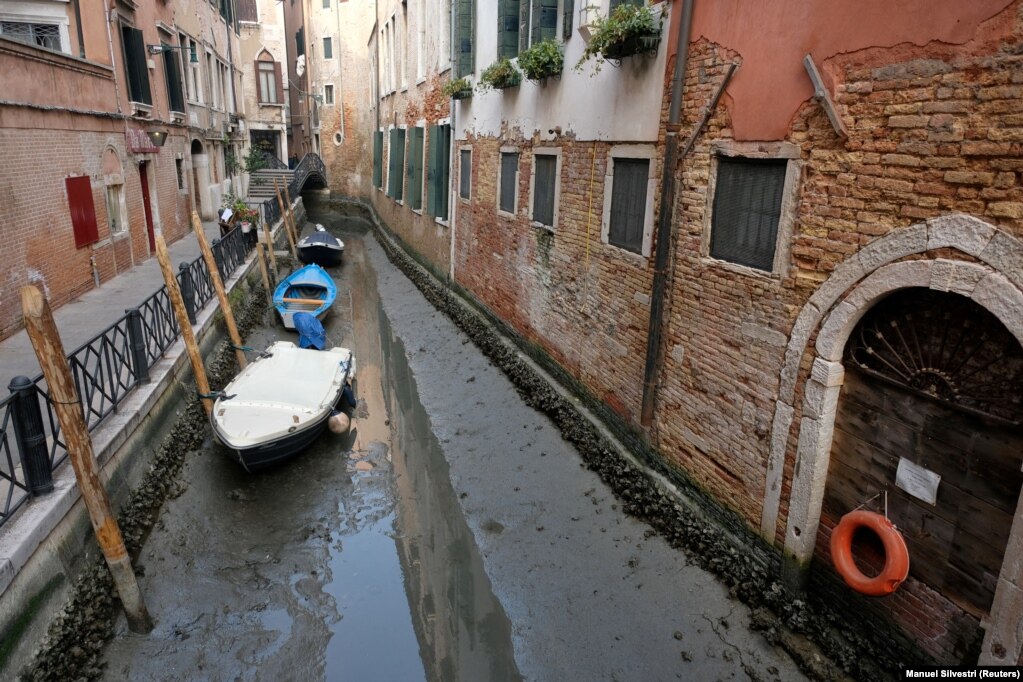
105 370
311 165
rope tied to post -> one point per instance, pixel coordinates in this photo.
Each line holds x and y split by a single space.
213 395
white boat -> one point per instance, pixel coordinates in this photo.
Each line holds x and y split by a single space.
280 402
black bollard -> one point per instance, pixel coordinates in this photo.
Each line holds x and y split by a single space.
187 290
31 437
137 343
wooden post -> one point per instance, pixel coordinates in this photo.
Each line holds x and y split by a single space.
191 345
268 235
218 285
291 213
50 350
287 224
262 269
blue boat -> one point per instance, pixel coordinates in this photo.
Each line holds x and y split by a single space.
307 290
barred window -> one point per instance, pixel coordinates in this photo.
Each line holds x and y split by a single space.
41 35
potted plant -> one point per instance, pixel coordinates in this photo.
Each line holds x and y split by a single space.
459 88
629 30
500 75
542 60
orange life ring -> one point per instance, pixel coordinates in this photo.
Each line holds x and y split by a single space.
896 561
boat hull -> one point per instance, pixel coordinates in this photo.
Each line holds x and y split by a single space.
321 248
276 452
280 403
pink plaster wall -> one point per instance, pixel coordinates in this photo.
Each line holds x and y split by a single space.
773 37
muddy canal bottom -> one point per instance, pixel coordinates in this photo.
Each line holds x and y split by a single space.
326 567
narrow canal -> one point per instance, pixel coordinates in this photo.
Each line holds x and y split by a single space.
451 535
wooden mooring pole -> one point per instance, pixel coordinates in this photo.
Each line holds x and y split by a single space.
287 222
218 285
291 213
268 236
262 270
191 345
42 331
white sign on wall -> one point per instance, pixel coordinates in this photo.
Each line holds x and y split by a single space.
917 481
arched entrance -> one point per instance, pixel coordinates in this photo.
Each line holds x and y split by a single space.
200 179
994 281
927 429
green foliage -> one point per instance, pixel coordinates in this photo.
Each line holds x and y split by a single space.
254 160
542 60
500 75
459 88
631 29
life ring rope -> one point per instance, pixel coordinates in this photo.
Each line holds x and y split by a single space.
896 562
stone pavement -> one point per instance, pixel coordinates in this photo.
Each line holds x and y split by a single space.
83 318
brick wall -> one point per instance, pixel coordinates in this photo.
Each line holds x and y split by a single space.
933 130
37 234
425 105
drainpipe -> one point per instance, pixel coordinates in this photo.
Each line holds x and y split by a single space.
654 359
452 197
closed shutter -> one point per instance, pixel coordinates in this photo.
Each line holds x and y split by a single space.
545 20
466 28
396 164
566 20
628 203
135 65
509 180
544 183
300 42
172 70
415 168
83 210
438 171
507 28
260 95
280 83
747 207
523 24
378 158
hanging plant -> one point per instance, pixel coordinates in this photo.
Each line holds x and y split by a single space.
629 30
500 75
460 88
542 60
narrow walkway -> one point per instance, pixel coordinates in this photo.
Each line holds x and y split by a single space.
92 312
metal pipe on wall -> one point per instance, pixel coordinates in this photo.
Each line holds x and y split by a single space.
654 355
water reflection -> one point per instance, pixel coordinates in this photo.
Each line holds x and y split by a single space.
463 631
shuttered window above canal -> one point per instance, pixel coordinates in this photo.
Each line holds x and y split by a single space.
747 209
628 203
509 181
396 164
415 168
545 186
438 174
378 158
465 174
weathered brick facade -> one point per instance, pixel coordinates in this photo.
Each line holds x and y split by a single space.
752 372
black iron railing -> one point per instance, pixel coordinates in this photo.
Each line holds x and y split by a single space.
311 166
105 370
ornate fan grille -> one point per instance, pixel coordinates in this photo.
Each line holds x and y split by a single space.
944 346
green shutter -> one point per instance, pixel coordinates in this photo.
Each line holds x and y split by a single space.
415 168
393 172
523 25
545 20
438 163
466 28
508 28
566 24
399 164
378 158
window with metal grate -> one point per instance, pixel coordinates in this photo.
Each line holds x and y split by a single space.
42 35
509 180
628 203
544 184
465 173
747 208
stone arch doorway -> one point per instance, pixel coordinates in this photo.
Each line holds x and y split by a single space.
200 180
993 280
927 428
